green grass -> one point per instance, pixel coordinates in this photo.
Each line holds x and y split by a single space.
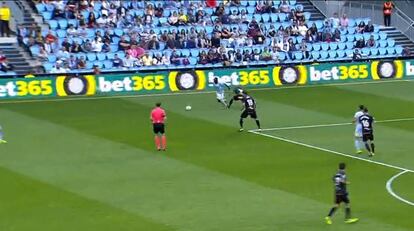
92 165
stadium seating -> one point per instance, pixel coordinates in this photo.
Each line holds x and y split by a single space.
322 51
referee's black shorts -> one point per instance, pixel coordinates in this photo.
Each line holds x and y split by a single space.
159 128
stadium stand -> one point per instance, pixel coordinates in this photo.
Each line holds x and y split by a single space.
131 35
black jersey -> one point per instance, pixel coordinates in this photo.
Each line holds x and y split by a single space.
248 101
367 122
340 183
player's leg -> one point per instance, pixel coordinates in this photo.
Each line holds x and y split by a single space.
328 219
2 141
358 139
221 98
242 117
371 140
157 137
253 115
163 137
348 218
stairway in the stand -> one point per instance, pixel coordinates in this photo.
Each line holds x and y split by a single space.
309 7
400 38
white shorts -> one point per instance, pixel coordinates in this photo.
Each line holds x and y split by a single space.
220 96
358 131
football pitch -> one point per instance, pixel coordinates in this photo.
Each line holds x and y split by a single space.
91 164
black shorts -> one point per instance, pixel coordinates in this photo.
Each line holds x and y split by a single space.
339 198
367 136
159 128
251 113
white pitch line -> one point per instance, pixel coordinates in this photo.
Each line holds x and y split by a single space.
331 151
76 98
391 191
330 125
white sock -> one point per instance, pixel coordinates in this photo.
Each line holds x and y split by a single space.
357 144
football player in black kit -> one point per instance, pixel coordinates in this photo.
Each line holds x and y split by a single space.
249 105
367 122
341 195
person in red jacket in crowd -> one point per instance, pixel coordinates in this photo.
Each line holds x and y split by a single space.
387 10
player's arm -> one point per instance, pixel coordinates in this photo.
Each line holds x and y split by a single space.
228 86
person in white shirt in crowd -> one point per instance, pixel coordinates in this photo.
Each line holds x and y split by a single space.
97 45
146 60
302 28
129 61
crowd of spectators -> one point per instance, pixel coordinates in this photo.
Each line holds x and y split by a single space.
145 44
4 65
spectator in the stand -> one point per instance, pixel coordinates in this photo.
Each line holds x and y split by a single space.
238 56
72 31
175 59
406 52
81 62
335 21
58 68
173 19
129 61
72 62
4 65
360 43
243 17
275 54
313 29
369 28
62 54
157 59
66 44
361 27
50 37
59 10
300 15
215 41
219 10
234 18
302 28
159 10
344 21
292 48
337 35
371 42
304 49
123 44
356 55
153 44
284 7
117 62
91 20
182 18
309 38
235 2
76 47
292 15
259 39
42 53
247 56
256 55
106 47
146 59
202 58
96 70
266 55
319 37
87 46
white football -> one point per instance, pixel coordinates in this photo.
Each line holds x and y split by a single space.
188 108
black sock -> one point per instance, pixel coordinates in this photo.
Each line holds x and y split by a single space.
241 123
332 211
258 123
367 147
347 213
372 147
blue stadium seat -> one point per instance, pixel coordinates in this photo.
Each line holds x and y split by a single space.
365 51
298 56
89 65
349 53
63 23
324 54
332 54
382 51
391 42
193 60
195 52
110 55
383 35
51 58
325 46
91 56
73 22
35 50
351 30
307 15
252 3
315 55
316 46
40 7
349 45
61 33
114 47
383 43
282 17
47 15
350 38
390 50
282 56
398 50
53 24
101 56
266 18
121 54
341 46
374 51
48 66
251 9
340 53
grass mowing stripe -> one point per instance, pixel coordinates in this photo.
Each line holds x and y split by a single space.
330 151
329 125
74 98
391 191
